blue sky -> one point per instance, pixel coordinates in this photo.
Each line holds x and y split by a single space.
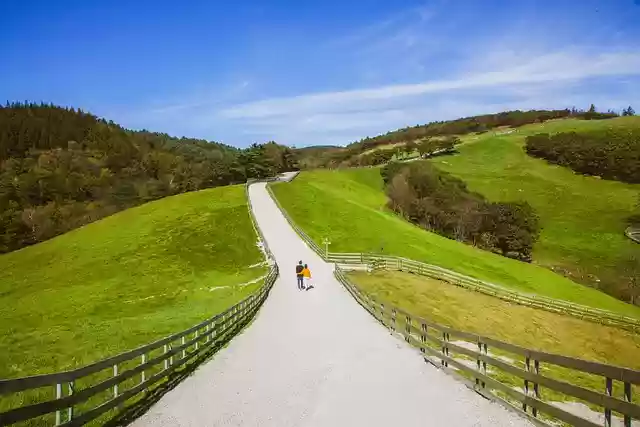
326 72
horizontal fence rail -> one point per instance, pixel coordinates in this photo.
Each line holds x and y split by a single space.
515 376
373 261
124 376
596 315
176 350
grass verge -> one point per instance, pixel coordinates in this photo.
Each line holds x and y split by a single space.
469 311
348 207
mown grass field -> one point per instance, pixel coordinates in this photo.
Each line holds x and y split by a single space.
348 207
469 311
582 217
124 281
474 312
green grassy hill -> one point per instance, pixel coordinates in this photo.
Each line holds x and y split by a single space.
348 207
126 280
583 218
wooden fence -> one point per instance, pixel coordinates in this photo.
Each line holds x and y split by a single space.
557 306
514 375
373 261
78 396
168 354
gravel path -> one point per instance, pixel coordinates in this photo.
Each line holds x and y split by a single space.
316 358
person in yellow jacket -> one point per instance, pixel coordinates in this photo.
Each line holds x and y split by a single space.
306 273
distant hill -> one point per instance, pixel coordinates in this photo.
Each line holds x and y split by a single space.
61 168
316 155
478 124
349 156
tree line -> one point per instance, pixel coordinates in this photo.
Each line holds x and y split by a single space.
440 202
482 123
461 126
61 168
359 153
425 148
609 153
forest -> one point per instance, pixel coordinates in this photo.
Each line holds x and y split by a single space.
441 203
61 168
607 153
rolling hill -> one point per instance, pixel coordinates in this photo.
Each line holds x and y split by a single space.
583 217
348 207
126 280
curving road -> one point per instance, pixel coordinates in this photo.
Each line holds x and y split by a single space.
316 358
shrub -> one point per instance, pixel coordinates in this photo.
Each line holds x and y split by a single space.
442 203
609 153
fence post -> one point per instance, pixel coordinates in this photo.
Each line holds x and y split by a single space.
484 363
627 398
408 328
423 339
478 361
607 411
196 338
445 349
143 360
58 396
166 361
71 387
536 389
526 382
115 386
393 319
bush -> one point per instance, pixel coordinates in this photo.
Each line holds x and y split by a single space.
442 203
609 153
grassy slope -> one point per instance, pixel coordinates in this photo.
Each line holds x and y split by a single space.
348 207
529 327
124 281
583 218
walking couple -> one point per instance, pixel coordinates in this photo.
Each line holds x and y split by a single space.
303 275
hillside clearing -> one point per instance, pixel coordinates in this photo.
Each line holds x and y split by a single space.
126 280
348 207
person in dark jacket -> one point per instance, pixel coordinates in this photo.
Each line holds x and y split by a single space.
300 275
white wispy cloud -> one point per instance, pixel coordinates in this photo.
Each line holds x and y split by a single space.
552 68
479 70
